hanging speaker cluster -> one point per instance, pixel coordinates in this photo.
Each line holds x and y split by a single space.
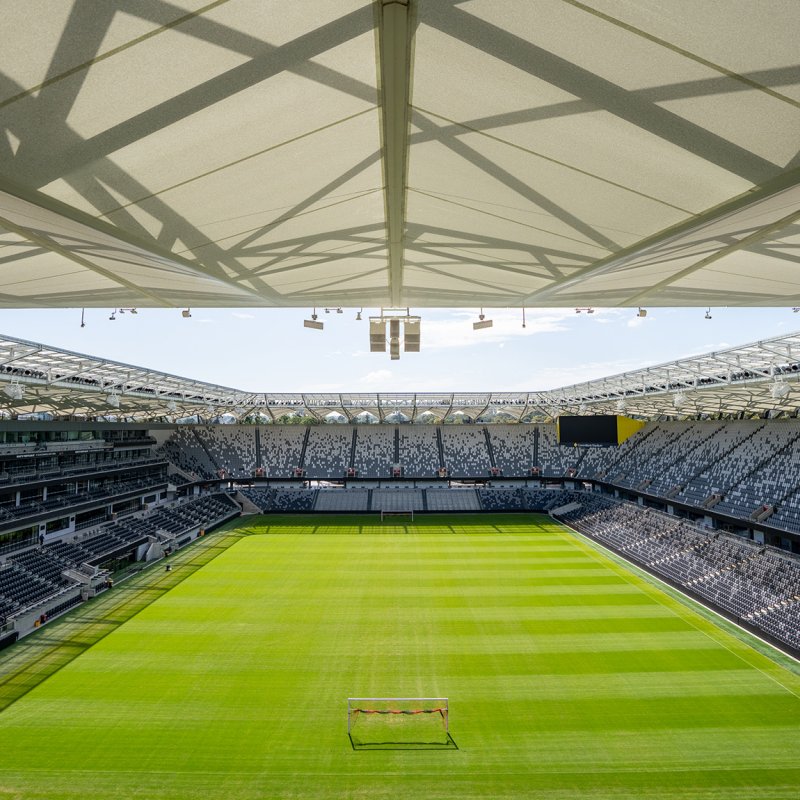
395 326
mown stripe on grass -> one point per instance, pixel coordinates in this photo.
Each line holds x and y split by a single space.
766 658
34 659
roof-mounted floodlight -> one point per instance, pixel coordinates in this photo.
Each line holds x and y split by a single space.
708 313
642 312
482 322
14 391
313 323
779 390
186 313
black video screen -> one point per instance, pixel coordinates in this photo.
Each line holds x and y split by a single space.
600 429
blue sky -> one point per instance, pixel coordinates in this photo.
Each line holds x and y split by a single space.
269 350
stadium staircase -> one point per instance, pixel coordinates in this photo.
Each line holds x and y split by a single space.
353 445
489 447
302 463
206 450
761 513
634 443
686 456
578 463
248 506
440 447
712 500
655 457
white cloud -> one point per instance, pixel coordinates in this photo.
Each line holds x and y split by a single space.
242 315
375 377
457 331
635 322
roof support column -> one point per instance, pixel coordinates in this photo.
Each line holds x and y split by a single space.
395 34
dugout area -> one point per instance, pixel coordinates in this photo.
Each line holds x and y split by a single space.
566 673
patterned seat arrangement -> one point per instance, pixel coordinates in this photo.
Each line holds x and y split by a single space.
741 468
374 453
282 500
465 450
555 460
328 451
185 450
755 584
232 448
513 447
419 451
281 449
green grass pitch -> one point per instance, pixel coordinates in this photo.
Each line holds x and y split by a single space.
568 675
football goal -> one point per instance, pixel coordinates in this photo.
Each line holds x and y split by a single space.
409 514
399 721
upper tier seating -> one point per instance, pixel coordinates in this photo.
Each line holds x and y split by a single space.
328 451
465 451
741 468
555 459
419 451
513 447
281 449
232 447
374 455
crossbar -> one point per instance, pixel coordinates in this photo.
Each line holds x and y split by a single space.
442 707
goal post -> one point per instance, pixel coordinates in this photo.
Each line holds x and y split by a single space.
405 719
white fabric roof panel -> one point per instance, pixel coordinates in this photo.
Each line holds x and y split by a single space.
555 153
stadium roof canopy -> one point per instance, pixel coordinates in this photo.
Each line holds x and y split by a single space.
759 378
420 153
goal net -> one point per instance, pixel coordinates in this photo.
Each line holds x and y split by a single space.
384 721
